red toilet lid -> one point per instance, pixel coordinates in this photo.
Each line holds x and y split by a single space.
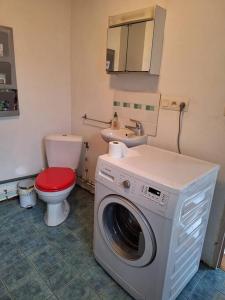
55 179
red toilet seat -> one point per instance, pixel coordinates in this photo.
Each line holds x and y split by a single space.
55 179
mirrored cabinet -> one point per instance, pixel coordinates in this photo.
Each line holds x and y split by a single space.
134 44
117 48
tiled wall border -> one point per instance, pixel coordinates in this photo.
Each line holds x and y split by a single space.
126 104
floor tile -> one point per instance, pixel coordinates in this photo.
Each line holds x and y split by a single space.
67 244
46 257
53 263
219 296
34 215
80 260
77 196
187 291
77 290
73 222
21 230
210 285
6 243
58 275
205 294
181 297
114 292
9 209
5 297
3 290
29 246
31 289
11 257
85 235
15 274
54 234
97 278
52 297
214 280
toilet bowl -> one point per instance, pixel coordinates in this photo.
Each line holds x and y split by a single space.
54 184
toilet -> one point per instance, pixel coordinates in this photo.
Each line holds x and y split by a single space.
54 184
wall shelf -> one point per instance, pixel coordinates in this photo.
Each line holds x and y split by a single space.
8 86
9 113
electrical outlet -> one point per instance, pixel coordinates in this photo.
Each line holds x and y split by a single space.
173 103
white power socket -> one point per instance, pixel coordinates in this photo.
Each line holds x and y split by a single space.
173 103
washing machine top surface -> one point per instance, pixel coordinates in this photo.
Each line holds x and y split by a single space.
165 167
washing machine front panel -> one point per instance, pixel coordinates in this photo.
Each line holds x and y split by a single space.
126 231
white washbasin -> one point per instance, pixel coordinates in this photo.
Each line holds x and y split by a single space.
124 135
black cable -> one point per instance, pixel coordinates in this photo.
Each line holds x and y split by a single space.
182 106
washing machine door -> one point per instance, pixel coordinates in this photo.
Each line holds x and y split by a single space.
126 231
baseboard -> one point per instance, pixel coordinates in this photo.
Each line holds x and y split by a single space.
9 189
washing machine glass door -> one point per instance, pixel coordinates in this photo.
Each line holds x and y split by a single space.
126 231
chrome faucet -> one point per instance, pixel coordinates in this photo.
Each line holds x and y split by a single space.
138 129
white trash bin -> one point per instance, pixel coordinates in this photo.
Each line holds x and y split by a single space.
27 194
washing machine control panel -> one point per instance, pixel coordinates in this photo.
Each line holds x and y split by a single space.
126 183
155 195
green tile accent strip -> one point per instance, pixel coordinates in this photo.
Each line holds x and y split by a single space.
149 107
137 106
126 104
116 103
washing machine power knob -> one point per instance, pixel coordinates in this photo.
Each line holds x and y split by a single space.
126 184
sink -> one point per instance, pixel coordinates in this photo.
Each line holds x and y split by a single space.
124 135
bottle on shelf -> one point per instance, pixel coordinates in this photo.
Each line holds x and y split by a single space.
115 122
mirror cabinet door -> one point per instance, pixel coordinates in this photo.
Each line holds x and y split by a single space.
139 46
117 49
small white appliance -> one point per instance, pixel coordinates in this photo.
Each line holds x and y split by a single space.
151 214
54 184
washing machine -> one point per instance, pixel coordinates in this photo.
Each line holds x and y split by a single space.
150 218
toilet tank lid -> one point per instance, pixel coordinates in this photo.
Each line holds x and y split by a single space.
64 137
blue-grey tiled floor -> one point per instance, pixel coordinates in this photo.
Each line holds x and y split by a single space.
39 262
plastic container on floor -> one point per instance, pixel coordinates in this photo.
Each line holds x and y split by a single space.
27 194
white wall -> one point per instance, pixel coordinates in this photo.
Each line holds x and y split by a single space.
193 66
42 53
